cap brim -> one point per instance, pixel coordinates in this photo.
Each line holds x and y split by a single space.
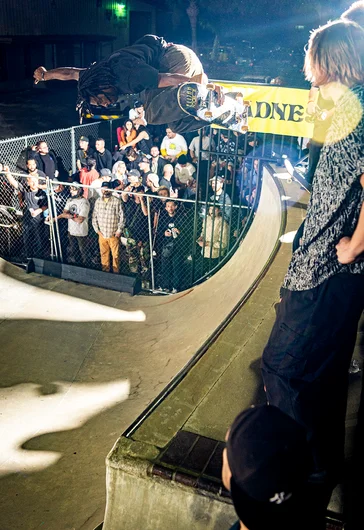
258 515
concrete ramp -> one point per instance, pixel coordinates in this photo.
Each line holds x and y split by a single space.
79 364
165 472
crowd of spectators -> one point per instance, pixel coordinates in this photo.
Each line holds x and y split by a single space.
120 205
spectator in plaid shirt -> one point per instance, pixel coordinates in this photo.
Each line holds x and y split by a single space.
108 222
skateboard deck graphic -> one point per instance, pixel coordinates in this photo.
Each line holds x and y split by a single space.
202 101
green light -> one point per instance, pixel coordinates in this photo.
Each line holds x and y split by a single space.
120 10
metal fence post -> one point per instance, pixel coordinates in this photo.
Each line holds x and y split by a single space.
73 150
150 243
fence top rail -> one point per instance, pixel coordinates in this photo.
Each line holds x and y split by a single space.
53 131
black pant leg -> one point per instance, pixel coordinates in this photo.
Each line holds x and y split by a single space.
306 360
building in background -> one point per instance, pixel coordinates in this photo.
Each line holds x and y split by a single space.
66 33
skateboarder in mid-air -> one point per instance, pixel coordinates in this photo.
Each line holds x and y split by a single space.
168 77
151 66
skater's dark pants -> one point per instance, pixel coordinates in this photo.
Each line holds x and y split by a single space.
306 360
162 108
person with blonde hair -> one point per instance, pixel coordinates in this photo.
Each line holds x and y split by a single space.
306 360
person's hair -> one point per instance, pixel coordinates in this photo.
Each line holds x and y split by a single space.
92 82
154 146
163 188
169 167
171 200
355 13
40 142
182 159
91 162
117 164
28 160
99 140
126 121
130 151
335 53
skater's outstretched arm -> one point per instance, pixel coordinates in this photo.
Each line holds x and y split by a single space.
67 73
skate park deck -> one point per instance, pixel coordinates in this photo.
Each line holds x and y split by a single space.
80 363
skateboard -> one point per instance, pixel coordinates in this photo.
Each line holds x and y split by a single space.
209 103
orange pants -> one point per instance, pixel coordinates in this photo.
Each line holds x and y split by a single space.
107 245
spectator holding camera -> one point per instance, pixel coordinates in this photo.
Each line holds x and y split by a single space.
77 210
170 229
108 223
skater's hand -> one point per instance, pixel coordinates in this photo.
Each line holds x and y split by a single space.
39 74
344 252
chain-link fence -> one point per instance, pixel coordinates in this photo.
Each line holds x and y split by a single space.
171 236
62 143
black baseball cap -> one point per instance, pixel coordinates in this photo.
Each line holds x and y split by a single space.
106 185
138 104
84 139
270 463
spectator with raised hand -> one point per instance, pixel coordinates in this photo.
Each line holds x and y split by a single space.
77 210
173 145
88 175
102 155
125 134
46 160
83 153
108 223
33 202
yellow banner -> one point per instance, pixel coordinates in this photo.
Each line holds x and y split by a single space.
275 109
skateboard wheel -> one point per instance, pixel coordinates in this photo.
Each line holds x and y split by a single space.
210 86
208 114
247 103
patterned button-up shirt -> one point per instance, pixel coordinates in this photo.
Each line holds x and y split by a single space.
108 216
336 200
